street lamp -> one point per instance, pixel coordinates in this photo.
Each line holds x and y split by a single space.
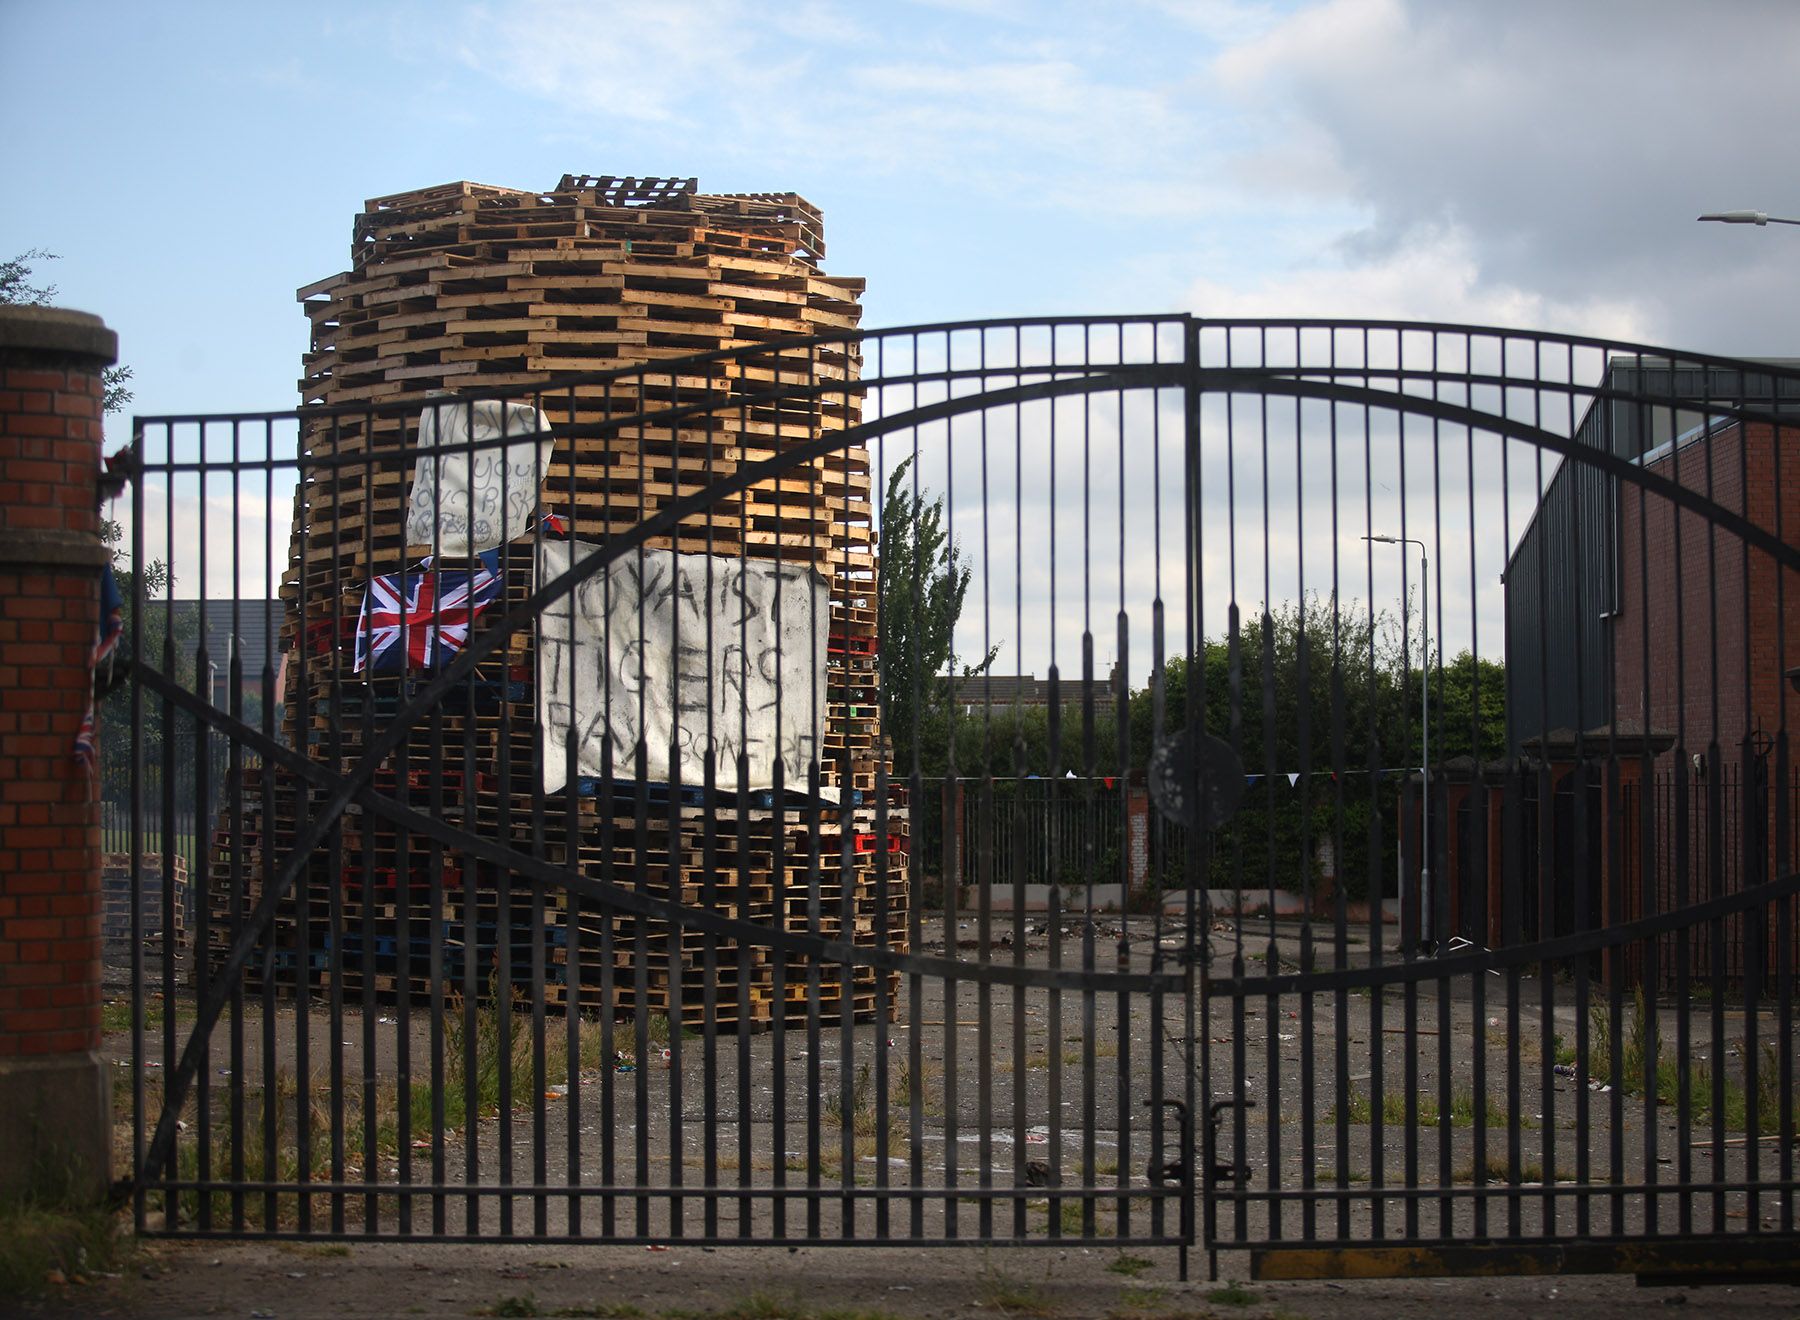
1748 218
1425 913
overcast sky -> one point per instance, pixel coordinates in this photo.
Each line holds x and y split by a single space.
1536 163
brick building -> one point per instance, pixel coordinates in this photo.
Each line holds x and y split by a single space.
1651 640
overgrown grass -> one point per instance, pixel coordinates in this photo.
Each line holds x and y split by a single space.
115 1014
1000 1292
1140 1299
866 1113
1643 1054
42 1246
1233 1294
755 1306
1427 1111
496 1039
928 1086
1497 1171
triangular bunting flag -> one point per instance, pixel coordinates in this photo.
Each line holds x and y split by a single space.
1293 778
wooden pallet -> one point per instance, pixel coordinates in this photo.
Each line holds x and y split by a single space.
472 288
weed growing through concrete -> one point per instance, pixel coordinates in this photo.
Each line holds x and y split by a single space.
1426 1110
43 1245
1129 1266
1141 1299
1012 1296
487 1060
1232 1294
1643 1055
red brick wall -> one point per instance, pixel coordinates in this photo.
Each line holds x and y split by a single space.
1683 598
50 441
1754 631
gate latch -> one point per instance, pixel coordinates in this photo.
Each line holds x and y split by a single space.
1216 1172
1162 1172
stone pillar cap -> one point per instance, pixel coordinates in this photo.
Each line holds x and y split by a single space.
58 330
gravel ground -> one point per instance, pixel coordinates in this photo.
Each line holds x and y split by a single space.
313 1281
1017 1090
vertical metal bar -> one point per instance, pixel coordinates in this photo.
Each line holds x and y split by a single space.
335 751
1018 863
850 875
985 847
709 862
1682 894
140 1201
779 994
606 798
540 909
1649 808
1783 860
575 1017
369 1078
1089 768
1377 865
1303 748
437 901
883 883
1340 917
276 806
270 1079
403 885
677 887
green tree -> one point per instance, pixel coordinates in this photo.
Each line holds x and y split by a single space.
17 290
150 582
1324 693
1468 708
922 580
1309 690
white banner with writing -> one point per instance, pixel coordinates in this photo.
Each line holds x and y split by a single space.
465 503
630 654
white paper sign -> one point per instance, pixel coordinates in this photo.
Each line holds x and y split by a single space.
630 654
464 507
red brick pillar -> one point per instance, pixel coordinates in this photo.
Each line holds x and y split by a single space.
1137 839
55 1119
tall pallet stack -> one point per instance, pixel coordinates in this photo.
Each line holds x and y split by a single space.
469 289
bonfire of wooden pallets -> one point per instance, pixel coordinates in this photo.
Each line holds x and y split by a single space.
467 289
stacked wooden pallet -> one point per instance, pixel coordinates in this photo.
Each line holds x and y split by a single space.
115 897
469 289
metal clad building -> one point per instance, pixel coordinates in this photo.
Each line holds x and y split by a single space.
1562 580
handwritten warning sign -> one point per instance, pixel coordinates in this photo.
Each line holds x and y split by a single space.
668 646
475 500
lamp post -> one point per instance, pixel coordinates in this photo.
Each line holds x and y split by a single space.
1747 218
1425 913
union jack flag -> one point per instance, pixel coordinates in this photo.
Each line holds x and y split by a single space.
417 620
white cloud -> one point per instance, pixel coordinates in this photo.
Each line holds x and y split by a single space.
1564 149
1036 121
232 543
1435 276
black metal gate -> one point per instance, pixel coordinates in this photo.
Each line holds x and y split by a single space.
1072 838
558 881
1536 1015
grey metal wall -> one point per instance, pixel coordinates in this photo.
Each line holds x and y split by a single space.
1559 587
